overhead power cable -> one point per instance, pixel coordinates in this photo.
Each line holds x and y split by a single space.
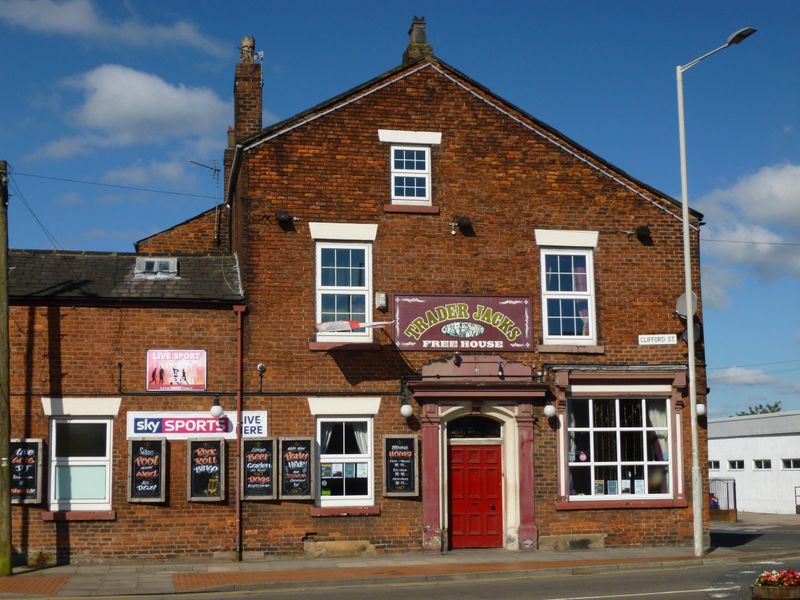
703 239
18 193
117 186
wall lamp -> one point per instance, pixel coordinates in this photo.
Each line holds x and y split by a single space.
216 409
701 409
549 411
642 233
405 408
464 224
284 217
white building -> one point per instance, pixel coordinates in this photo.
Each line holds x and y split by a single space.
762 454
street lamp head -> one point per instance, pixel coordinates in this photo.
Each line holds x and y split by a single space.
739 36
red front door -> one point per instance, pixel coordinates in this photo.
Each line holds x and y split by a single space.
476 502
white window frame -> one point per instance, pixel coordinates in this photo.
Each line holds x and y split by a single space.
733 466
713 465
105 461
762 464
426 174
365 290
793 464
162 266
547 337
671 463
369 458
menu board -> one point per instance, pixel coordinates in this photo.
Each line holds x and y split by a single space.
206 470
258 469
400 476
297 467
146 467
26 471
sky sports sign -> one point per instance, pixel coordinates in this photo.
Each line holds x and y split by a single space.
184 425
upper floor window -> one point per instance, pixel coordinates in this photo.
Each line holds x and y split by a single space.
762 464
410 164
567 271
713 465
736 465
343 280
790 463
568 296
411 174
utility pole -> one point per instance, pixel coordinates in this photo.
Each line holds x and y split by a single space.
5 385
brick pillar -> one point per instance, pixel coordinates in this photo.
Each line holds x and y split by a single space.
528 532
431 524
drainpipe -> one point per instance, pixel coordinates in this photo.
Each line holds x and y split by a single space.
239 310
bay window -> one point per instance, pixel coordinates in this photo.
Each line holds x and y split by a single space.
618 448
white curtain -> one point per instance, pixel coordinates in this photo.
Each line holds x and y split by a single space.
360 430
327 433
657 417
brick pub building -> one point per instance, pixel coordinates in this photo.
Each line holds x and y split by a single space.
415 244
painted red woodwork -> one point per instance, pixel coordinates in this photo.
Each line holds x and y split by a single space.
476 500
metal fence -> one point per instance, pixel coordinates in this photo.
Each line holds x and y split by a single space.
725 492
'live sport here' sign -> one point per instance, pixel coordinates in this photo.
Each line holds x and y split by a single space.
184 425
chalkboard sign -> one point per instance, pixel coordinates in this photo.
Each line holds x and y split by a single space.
297 468
26 471
400 476
258 469
146 468
206 469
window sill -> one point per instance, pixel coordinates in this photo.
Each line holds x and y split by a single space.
570 349
348 346
80 515
345 511
411 209
616 504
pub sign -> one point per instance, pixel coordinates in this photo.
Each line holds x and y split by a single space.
449 323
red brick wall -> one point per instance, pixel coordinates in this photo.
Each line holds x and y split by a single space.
507 179
194 236
74 352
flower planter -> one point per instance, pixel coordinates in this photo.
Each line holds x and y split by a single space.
774 593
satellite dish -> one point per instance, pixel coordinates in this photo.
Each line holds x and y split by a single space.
682 309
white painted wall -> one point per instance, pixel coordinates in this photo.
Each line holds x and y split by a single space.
771 491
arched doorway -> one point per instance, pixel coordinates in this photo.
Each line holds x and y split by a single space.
475 477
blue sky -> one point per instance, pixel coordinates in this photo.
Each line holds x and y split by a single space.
127 93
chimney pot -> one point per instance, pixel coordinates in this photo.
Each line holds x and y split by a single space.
248 49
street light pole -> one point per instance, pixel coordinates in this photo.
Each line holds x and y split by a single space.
697 484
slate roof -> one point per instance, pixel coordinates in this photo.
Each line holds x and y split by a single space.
97 276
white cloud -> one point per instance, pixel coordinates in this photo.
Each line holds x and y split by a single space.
788 389
80 18
769 253
771 195
716 282
739 376
149 174
122 107
71 198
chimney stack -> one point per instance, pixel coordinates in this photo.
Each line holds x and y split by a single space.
247 92
418 46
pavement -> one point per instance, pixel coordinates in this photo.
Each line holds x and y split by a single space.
164 578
